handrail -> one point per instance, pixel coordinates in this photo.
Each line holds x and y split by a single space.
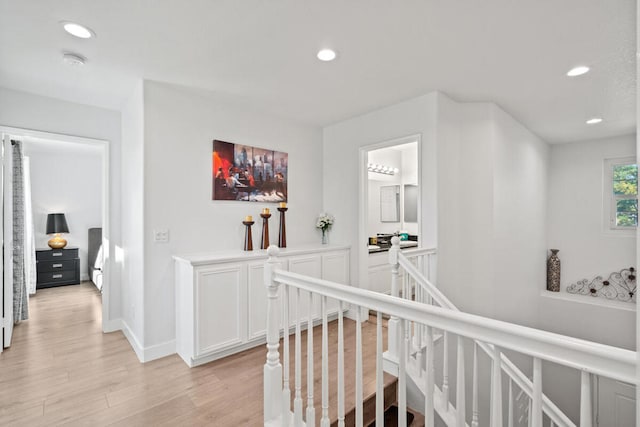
419 251
524 383
599 359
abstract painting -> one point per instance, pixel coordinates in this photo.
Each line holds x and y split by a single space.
246 173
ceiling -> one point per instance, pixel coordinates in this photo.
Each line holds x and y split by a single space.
262 53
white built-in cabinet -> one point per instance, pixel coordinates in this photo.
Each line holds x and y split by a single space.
379 272
221 298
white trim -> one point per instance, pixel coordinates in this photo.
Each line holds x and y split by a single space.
106 217
158 351
112 326
587 299
133 341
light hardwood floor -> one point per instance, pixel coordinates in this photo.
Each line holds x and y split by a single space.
62 370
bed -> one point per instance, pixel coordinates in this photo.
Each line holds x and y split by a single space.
95 257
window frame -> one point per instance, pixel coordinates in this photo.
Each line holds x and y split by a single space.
611 199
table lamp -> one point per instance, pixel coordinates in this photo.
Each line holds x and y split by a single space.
56 224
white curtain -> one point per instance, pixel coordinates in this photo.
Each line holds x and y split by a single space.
29 238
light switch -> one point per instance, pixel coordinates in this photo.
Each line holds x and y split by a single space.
161 236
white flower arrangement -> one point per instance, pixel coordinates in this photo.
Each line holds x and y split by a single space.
325 221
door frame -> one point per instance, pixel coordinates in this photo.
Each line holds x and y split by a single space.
105 146
363 202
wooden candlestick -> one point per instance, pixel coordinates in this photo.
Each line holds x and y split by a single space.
248 238
282 234
264 243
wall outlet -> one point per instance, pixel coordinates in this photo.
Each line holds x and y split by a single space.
161 236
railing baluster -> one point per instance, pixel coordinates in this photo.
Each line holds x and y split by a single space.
585 399
418 335
272 372
379 374
393 326
359 407
529 418
536 417
297 401
460 386
286 387
311 410
496 389
475 414
510 414
445 371
340 367
402 382
324 421
428 379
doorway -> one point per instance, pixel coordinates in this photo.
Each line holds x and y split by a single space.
390 204
68 158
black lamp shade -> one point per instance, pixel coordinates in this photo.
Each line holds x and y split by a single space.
57 223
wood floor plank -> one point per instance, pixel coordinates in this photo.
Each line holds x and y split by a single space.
62 370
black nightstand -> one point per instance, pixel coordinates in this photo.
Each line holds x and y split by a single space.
57 267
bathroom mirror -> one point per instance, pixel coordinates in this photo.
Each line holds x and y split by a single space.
410 203
390 203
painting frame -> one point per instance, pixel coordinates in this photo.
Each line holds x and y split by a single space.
242 172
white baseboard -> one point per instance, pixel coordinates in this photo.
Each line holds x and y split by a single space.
133 341
159 350
112 326
147 354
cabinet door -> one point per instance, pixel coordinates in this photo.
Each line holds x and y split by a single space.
220 301
335 268
256 300
309 265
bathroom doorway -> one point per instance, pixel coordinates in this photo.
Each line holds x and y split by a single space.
389 205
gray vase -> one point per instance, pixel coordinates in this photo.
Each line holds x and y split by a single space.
553 271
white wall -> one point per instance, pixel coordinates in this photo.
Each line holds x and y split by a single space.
576 226
341 176
521 164
133 219
180 125
492 175
465 205
67 178
28 111
587 249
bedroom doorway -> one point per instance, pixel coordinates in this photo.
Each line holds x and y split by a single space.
69 175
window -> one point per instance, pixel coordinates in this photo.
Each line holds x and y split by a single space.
621 189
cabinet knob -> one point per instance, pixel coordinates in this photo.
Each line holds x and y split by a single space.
56 265
56 276
57 254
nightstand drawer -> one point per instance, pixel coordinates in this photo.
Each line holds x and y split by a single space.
47 266
57 267
56 254
56 276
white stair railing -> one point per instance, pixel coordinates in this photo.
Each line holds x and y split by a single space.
415 267
588 357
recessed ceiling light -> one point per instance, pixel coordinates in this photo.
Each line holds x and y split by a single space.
578 71
326 55
78 30
594 121
73 59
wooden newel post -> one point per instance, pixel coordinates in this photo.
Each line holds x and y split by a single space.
272 368
394 322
